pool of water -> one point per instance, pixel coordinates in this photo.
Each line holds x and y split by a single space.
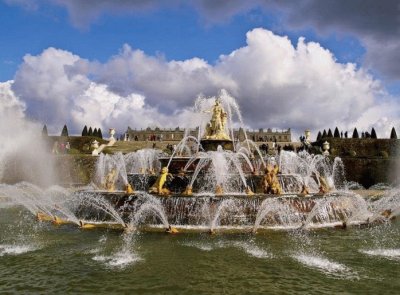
42 258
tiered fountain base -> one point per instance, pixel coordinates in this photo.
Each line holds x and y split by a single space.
212 144
240 211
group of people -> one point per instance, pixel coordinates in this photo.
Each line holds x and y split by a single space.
61 148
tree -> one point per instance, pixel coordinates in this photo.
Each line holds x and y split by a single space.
95 132
373 133
336 133
330 133
44 131
64 131
355 133
100 135
84 131
90 132
319 136
393 134
324 134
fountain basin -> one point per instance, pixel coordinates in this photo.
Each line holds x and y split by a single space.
239 211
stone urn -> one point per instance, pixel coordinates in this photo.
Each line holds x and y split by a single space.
95 144
325 148
112 132
307 134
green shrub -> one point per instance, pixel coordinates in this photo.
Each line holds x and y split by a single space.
73 151
384 154
352 153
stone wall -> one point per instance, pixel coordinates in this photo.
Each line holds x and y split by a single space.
368 161
177 134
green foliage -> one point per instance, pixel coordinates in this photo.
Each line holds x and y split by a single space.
99 134
336 134
90 132
64 131
352 153
355 133
73 151
324 134
373 133
85 131
86 148
319 136
384 154
95 132
393 134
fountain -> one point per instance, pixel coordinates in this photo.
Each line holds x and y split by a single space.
210 182
213 182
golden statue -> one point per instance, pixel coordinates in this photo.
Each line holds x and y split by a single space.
271 183
249 192
215 129
304 190
219 190
158 186
129 189
109 180
323 185
188 191
171 230
44 217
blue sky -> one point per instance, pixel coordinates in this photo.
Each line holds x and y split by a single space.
176 33
154 57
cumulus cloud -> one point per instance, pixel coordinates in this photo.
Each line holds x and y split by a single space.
277 84
375 23
10 105
46 83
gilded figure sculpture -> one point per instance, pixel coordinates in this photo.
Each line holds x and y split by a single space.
271 183
109 180
158 186
215 129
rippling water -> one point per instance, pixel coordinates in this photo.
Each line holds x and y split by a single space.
42 258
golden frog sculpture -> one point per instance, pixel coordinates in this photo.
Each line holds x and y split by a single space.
158 186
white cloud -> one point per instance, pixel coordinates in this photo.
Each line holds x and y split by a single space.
10 105
276 84
45 83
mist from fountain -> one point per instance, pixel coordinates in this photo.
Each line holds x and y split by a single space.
248 151
225 209
144 161
277 212
106 163
307 169
183 149
221 168
338 208
104 211
24 152
54 201
147 206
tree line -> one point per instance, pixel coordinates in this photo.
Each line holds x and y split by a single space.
341 134
96 132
